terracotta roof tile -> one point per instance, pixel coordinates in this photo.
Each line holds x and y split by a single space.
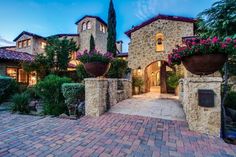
96 17
30 34
15 55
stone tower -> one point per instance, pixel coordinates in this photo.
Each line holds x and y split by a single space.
97 27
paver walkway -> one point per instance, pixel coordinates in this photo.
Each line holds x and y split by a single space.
164 106
109 135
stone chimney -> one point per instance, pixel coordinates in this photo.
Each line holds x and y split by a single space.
119 46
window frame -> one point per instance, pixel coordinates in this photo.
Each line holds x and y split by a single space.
84 27
88 25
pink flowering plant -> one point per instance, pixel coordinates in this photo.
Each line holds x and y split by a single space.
197 46
95 56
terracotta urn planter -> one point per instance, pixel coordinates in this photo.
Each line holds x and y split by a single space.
97 69
204 64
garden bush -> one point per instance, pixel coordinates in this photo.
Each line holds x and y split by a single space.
8 87
137 82
173 80
49 91
31 91
118 68
81 72
73 92
20 103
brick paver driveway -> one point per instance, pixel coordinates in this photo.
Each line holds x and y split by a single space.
109 135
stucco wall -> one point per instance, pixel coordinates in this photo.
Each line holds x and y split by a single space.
142 48
99 37
35 47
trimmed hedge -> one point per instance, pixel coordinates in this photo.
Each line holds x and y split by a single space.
49 91
73 92
8 87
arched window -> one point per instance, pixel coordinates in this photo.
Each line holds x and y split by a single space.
89 25
103 29
159 42
84 26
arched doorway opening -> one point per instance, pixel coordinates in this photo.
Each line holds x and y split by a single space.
155 77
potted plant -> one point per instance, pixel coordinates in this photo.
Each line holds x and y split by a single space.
203 56
137 84
96 63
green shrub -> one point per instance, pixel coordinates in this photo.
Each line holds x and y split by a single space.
173 80
81 72
230 100
118 68
137 82
73 92
20 103
31 91
49 90
8 87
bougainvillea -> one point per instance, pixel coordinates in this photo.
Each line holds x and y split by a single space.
197 46
95 56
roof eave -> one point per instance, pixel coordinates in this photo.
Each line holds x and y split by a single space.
160 17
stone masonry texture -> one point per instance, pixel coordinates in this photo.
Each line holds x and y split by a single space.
100 92
202 119
142 48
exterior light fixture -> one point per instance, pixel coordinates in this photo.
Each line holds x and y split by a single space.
159 63
152 73
139 69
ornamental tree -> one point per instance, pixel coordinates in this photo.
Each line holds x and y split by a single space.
58 52
92 43
219 20
111 38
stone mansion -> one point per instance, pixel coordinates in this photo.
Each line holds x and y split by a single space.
151 41
29 44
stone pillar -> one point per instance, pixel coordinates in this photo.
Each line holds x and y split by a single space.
95 96
163 77
127 88
202 119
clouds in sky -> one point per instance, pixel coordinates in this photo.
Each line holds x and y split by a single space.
4 42
150 8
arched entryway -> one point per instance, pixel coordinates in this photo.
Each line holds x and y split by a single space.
155 77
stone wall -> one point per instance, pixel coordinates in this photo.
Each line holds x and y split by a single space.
101 93
202 119
142 48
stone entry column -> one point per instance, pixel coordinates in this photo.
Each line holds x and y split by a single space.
163 77
202 119
95 96
103 93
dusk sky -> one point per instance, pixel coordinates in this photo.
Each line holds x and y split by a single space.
48 17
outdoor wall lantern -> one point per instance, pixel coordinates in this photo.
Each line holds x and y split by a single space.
139 70
206 98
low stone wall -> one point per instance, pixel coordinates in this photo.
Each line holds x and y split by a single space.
202 119
102 93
